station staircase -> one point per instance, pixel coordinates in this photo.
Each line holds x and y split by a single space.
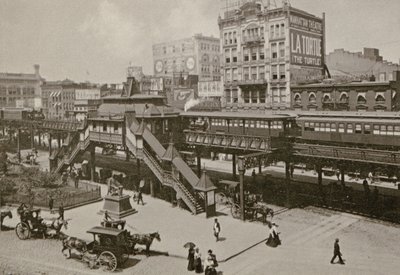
66 155
193 201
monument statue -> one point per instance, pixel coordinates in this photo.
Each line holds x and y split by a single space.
114 187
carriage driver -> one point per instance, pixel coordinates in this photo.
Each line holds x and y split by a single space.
107 217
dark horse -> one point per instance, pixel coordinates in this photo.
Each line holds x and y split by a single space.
71 243
143 239
3 215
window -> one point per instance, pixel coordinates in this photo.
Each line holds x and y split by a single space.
234 38
254 96
235 74
306 126
297 98
277 30
383 130
380 99
344 98
367 129
312 98
390 130
361 99
349 128
115 127
253 73
235 96
261 53
262 96
254 54
272 32
275 95
282 50
246 96
317 127
261 73
333 127
227 56
228 75
225 38
396 130
228 96
341 127
282 29
274 51
274 72
246 73
376 129
358 129
246 54
234 55
282 74
94 126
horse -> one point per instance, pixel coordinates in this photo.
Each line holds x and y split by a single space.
71 243
264 210
4 214
56 225
143 239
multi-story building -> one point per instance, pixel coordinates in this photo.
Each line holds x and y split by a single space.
265 51
59 99
353 96
21 90
348 65
87 100
198 55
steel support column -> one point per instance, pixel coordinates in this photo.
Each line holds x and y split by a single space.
234 166
241 182
19 145
92 163
287 183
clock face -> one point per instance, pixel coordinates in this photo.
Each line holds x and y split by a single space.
159 66
190 63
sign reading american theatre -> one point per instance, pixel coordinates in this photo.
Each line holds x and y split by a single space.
306 36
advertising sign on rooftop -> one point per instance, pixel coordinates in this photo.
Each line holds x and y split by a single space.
306 41
209 89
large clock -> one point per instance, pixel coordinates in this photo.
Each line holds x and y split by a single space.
159 66
190 63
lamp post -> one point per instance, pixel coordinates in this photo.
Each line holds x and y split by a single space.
241 179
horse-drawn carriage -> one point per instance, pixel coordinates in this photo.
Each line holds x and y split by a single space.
109 249
31 223
253 207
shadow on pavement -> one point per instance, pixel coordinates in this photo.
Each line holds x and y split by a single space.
217 214
130 263
6 228
221 239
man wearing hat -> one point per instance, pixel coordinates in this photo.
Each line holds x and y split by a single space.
336 252
210 263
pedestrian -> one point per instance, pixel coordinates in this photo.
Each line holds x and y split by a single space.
51 203
198 267
190 258
210 264
64 178
253 175
371 177
61 212
336 252
337 172
140 197
217 229
273 237
291 170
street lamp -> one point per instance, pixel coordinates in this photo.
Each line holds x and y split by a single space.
241 179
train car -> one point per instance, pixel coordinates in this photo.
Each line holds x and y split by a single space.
362 129
21 114
254 124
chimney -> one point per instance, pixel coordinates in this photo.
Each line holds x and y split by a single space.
36 67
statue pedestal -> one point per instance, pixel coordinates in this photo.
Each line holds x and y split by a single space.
117 206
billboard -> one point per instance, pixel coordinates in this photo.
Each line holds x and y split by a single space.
209 89
306 41
181 96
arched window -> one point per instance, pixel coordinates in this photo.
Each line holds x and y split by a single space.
380 98
344 97
297 98
361 99
326 98
312 98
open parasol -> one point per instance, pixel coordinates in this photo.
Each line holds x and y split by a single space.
189 245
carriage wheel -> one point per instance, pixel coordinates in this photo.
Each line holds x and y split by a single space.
235 210
23 231
108 261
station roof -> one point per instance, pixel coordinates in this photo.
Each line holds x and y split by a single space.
204 184
337 114
240 115
348 119
105 230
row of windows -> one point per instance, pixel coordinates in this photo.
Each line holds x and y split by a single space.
207 69
254 73
230 38
278 96
104 127
357 128
208 47
255 53
277 31
247 123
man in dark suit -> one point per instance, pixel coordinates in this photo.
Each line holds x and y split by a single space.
336 252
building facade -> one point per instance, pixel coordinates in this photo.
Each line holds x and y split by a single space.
21 90
59 98
360 65
354 96
265 51
198 55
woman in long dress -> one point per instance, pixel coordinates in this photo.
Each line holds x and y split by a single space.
197 261
190 266
273 238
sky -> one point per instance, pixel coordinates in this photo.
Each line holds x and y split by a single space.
96 40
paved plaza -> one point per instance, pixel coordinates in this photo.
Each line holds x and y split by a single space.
369 247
